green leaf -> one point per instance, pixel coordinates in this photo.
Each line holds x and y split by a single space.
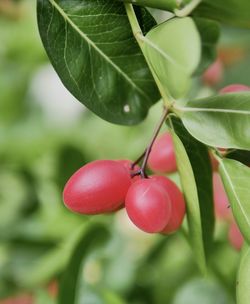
242 156
220 121
236 179
234 12
92 48
169 5
243 279
196 179
50 264
198 291
209 33
94 237
173 49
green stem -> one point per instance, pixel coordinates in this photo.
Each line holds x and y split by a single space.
187 9
136 29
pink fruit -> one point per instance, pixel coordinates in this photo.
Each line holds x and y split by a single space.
177 201
98 187
128 163
148 205
235 237
162 157
234 88
221 203
213 75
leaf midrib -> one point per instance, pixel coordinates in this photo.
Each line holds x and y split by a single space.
166 56
90 42
234 191
226 111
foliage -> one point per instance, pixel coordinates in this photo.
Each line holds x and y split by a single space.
112 57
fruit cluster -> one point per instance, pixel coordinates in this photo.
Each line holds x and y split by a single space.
154 204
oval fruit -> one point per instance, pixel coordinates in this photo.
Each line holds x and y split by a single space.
162 156
148 205
178 206
213 75
234 88
98 187
127 164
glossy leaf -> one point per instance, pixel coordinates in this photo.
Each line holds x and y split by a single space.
92 48
195 173
242 156
220 121
91 239
236 179
175 57
243 278
234 12
209 32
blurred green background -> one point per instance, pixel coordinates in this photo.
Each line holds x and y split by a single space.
45 135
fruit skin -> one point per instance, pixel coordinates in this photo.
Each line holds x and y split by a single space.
234 88
98 187
235 237
177 201
162 157
148 205
221 202
128 163
213 75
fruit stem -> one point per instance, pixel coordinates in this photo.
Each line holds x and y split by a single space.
138 159
146 153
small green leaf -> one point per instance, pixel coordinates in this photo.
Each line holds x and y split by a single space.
92 238
195 173
173 50
243 278
236 179
220 121
209 32
91 46
234 12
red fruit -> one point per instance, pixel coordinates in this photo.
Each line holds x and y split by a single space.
128 163
148 205
235 237
213 75
178 207
21 299
221 202
162 157
98 187
234 88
